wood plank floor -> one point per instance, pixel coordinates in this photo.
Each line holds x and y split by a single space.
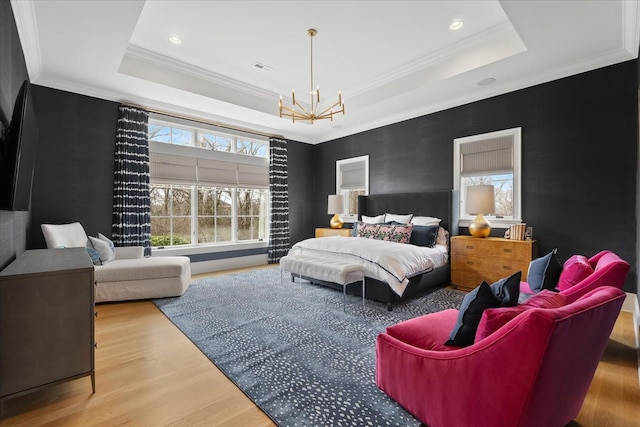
149 374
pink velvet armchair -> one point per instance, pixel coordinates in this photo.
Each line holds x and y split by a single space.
533 371
581 276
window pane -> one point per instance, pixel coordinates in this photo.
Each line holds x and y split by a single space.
251 148
206 201
181 201
181 136
160 201
503 185
206 230
223 229
160 231
244 202
181 231
244 228
159 133
224 202
214 142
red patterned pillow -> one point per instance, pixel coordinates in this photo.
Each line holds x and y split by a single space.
400 233
495 318
575 270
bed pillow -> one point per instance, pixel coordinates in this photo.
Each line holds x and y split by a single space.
544 272
495 318
470 313
373 219
401 219
443 237
400 233
574 270
424 235
425 220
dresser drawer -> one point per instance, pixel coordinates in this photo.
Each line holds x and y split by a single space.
498 248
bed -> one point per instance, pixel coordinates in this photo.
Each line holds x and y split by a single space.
434 203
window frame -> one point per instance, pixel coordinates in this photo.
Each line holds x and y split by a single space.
195 151
516 134
339 190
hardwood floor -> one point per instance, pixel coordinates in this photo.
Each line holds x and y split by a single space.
148 373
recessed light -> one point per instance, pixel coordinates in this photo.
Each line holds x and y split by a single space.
175 40
456 25
487 81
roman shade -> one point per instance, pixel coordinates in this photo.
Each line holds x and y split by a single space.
491 155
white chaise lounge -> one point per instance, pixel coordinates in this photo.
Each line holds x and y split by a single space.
130 275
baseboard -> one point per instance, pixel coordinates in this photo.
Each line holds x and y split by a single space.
228 263
631 305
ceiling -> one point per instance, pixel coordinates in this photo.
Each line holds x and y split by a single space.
391 60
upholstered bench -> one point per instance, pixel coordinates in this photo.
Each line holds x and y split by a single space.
342 273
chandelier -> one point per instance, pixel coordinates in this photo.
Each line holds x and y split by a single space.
298 112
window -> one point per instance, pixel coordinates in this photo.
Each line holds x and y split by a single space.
207 188
352 180
494 159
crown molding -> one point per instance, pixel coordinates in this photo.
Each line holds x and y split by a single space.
631 27
24 14
451 52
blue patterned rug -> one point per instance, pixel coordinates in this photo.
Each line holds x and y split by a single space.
292 349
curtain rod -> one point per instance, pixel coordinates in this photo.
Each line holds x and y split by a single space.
193 119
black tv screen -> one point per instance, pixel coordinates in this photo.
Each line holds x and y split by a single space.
18 154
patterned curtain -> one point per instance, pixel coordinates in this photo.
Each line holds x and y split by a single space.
279 196
131 203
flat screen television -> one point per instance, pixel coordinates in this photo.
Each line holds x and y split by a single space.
18 154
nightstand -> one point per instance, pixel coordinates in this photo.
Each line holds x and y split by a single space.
325 232
476 259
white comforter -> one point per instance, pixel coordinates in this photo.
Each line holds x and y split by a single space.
394 263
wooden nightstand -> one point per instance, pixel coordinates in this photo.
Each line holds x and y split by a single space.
324 232
476 259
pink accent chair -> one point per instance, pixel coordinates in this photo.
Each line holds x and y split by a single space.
533 371
608 270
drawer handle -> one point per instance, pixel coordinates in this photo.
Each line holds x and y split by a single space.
507 250
507 267
469 262
469 247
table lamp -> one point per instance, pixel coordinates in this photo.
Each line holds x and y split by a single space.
335 206
480 200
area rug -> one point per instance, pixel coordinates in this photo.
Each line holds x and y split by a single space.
292 349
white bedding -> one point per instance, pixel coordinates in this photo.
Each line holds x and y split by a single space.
390 262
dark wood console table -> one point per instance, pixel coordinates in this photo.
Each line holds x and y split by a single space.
46 320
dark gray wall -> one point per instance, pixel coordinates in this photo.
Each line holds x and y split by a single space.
300 162
73 179
579 158
13 71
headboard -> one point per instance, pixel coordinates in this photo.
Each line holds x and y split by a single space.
431 203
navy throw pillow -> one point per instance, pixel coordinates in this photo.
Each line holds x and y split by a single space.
470 313
544 272
507 290
424 235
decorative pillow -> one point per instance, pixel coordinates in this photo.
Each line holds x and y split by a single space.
495 318
443 237
400 233
401 219
507 290
106 252
544 272
425 220
94 255
470 313
424 235
575 270
108 241
373 219
64 235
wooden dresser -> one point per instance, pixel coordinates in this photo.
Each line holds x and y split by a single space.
325 232
46 320
476 259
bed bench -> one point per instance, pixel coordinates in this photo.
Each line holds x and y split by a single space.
342 273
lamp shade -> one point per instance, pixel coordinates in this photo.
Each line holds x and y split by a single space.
481 199
335 204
